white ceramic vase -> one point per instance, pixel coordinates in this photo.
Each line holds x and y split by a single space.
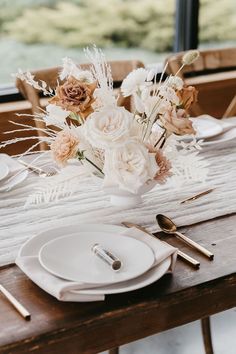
124 199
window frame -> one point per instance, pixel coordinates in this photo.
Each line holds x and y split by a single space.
186 37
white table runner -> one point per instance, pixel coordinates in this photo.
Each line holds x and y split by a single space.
90 205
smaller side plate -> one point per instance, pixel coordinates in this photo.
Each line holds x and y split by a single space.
70 257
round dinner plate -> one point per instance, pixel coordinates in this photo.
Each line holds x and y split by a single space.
206 128
32 247
222 138
143 280
70 257
4 170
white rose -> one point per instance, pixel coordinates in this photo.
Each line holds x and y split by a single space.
55 115
129 166
109 127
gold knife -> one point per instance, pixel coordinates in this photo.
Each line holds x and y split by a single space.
18 306
196 196
193 262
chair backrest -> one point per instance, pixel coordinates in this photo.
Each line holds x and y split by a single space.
209 61
213 74
231 109
119 70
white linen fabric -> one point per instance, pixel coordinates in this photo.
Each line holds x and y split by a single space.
89 203
70 291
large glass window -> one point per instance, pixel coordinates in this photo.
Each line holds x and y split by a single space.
217 23
38 33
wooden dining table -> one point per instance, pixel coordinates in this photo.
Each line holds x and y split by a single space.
176 299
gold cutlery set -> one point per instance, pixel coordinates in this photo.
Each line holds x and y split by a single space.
169 227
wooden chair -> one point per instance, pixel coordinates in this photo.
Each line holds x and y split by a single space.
231 110
119 69
8 114
214 76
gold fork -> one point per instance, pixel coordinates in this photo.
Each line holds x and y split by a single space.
39 171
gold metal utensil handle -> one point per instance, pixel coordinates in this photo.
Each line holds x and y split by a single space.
35 169
189 259
193 262
196 196
20 308
195 245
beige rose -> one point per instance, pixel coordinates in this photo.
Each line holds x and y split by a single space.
188 96
75 96
108 128
64 147
177 122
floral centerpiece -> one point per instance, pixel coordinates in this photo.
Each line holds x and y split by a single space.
126 149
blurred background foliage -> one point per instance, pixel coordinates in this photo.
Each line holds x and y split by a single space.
38 33
146 24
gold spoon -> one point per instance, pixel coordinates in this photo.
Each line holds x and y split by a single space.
190 260
169 227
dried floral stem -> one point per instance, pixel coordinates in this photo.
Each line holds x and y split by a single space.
163 72
163 142
94 165
161 137
182 66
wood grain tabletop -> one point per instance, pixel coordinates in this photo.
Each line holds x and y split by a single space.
74 328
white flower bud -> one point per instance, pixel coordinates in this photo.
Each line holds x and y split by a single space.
175 82
190 57
150 75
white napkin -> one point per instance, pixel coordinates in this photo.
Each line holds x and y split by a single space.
65 290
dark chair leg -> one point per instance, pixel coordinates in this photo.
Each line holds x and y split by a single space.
114 351
206 333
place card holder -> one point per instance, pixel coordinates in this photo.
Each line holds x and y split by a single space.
107 256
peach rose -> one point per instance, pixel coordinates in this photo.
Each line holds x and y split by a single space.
64 147
188 96
177 122
75 96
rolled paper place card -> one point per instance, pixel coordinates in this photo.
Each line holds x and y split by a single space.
106 256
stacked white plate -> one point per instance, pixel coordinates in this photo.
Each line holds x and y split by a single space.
11 173
213 131
66 254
